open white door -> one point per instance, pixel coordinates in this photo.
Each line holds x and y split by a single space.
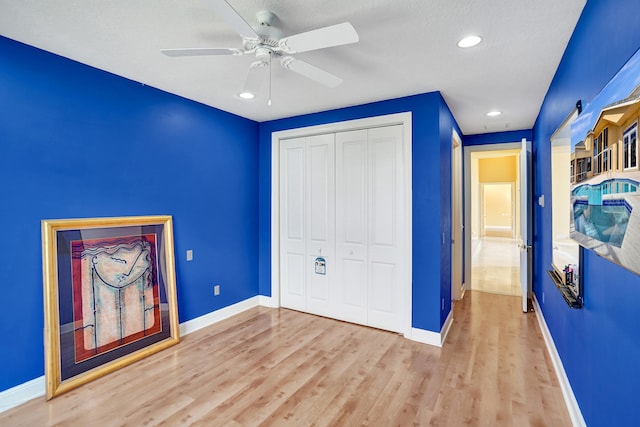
525 223
456 217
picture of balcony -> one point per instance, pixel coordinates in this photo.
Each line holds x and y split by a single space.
605 173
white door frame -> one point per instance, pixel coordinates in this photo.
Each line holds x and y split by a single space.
526 229
457 227
404 119
467 199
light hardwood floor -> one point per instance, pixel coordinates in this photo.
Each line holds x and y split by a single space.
280 367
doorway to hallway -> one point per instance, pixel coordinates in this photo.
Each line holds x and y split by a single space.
492 218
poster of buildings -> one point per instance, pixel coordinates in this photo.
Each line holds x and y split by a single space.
605 174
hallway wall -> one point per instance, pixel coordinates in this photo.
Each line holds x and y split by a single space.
600 344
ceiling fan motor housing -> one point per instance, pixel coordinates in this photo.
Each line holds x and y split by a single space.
263 53
266 25
265 18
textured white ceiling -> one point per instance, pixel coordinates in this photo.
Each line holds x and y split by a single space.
406 47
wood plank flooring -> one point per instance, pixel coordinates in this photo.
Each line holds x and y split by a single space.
277 367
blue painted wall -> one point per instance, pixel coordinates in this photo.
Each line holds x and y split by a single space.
432 127
447 125
78 142
599 345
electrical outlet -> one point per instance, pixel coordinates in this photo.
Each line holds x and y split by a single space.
216 290
189 255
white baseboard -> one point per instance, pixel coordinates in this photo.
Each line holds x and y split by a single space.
36 388
21 393
446 327
425 337
432 338
215 316
567 392
268 302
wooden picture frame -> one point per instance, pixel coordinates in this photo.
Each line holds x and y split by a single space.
109 295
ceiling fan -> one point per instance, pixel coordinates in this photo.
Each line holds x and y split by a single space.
266 44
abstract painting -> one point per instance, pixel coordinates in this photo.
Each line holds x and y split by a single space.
110 295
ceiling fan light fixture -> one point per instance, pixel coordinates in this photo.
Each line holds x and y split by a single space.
469 41
246 95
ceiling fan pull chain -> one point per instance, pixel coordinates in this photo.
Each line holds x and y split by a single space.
270 56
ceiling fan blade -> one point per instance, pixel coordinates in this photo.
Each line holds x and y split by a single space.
334 35
255 77
198 51
310 71
231 17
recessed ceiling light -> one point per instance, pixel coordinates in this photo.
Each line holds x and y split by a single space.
246 95
469 41
494 113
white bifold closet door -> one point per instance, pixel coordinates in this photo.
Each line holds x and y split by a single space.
340 200
368 190
307 196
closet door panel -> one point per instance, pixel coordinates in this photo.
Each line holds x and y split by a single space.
383 296
318 297
351 225
320 190
292 224
352 291
320 222
295 280
294 194
353 186
383 180
385 165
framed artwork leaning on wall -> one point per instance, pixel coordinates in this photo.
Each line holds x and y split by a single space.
109 295
605 170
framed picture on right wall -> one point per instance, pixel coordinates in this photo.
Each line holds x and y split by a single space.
605 170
